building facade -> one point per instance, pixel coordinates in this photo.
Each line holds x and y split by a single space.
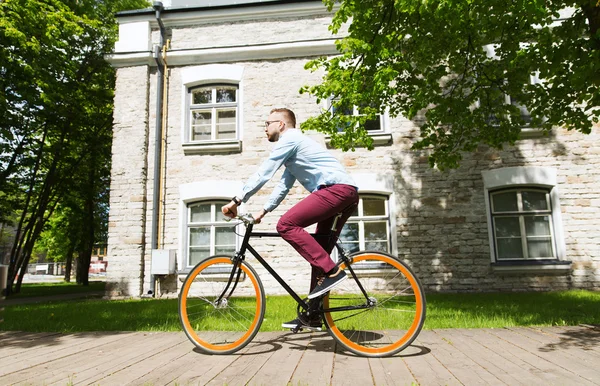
520 219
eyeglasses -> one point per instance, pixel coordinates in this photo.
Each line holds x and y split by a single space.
267 123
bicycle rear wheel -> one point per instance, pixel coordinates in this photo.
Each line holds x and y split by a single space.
221 326
394 314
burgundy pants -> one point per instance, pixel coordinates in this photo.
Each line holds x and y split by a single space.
321 207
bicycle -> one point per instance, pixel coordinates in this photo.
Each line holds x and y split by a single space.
378 311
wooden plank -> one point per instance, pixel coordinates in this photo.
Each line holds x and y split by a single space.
21 341
466 371
288 349
241 371
427 369
100 365
37 368
552 342
316 365
525 359
486 357
65 346
584 338
349 369
392 370
560 359
207 367
192 362
161 357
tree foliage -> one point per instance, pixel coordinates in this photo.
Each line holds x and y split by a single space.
56 93
432 60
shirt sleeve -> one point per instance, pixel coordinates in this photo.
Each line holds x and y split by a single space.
280 191
265 172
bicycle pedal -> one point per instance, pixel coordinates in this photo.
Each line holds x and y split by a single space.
307 328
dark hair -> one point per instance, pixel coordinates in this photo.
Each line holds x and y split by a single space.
288 114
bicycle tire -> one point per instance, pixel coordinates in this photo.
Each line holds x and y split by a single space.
394 320
229 326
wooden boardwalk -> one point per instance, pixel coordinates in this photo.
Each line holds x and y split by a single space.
511 356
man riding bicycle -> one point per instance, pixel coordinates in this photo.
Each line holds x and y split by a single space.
332 193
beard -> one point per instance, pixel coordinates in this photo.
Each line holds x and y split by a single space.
273 137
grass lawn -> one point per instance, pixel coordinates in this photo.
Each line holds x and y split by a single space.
443 311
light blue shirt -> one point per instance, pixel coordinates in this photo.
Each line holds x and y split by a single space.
305 160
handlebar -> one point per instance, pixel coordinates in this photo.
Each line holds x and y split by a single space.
246 218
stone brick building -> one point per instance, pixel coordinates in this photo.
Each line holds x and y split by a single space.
521 219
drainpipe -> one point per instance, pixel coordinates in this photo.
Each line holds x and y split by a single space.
158 8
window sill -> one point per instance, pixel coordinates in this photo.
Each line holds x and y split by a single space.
379 139
211 147
536 266
530 132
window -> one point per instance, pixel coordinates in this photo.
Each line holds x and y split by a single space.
207 232
212 109
498 96
524 220
213 113
522 224
369 226
377 128
372 125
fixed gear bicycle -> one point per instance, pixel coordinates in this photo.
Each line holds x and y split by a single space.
378 311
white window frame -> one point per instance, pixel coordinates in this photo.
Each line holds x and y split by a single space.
211 75
526 177
383 186
526 130
380 137
209 190
213 107
212 225
361 219
520 213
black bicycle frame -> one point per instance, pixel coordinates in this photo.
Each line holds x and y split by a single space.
241 255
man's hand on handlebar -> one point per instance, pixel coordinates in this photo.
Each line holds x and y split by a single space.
230 210
259 216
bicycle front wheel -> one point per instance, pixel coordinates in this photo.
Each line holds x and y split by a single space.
389 319
216 320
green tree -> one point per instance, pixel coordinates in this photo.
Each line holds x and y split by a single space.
422 57
56 93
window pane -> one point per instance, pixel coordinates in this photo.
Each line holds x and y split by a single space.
522 111
201 117
351 247
226 123
226 94
202 95
349 232
540 247
507 227
505 202
537 225
373 124
534 201
225 250
201 125
200 213
373 207
376 246
342 110
510 249
376 231
198 254
199 236
225 236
